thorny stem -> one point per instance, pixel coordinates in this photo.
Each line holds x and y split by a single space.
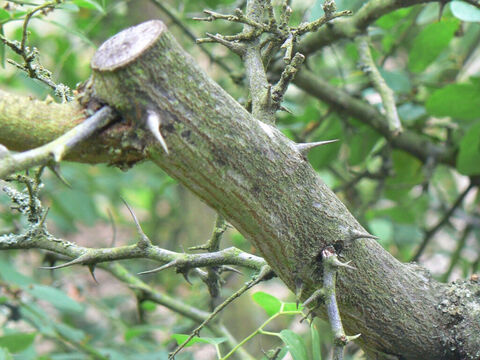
56 150
174 17
264 273
256 75
367 64
330 265
30 56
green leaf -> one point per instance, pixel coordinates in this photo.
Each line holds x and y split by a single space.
322 156
268 302
89 4
148 305
17 342
136 331
70 333
4 16
295 344
468 158
464 11
55 297
460 101
316 349
382 228
70 30
180 338
291 306
393 18
431 41
397 80
410 112
10 275
361 144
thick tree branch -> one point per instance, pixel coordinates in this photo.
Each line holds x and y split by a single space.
55 151
26 123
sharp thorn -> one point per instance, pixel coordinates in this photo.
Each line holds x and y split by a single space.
232 269
185 276
91 268
338 263
153 124
355 234
56 170
317 294
76 261
135 220
353 337
304 148
163 267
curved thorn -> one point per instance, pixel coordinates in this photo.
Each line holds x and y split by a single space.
153 124
232 269
355 234
56 170
185 276
91 268
317 294
163 267
79 260
135 220
338 263
304 148
353 337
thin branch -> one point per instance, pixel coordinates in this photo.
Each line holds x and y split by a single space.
456 254
31 64
352 26
177 21
213 244
328 294
264 273
419 146
367 64
56 150
444 219
146 292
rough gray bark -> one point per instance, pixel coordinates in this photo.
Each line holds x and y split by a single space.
257 179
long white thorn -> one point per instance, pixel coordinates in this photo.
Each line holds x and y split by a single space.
304 148
153 124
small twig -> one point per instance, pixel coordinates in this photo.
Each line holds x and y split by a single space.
265 272
31 64
238 17
456 254
315 25
367 64
213 244
287 76
177 21
330 266
55 151
445 218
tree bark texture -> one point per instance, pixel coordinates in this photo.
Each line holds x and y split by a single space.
258 180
